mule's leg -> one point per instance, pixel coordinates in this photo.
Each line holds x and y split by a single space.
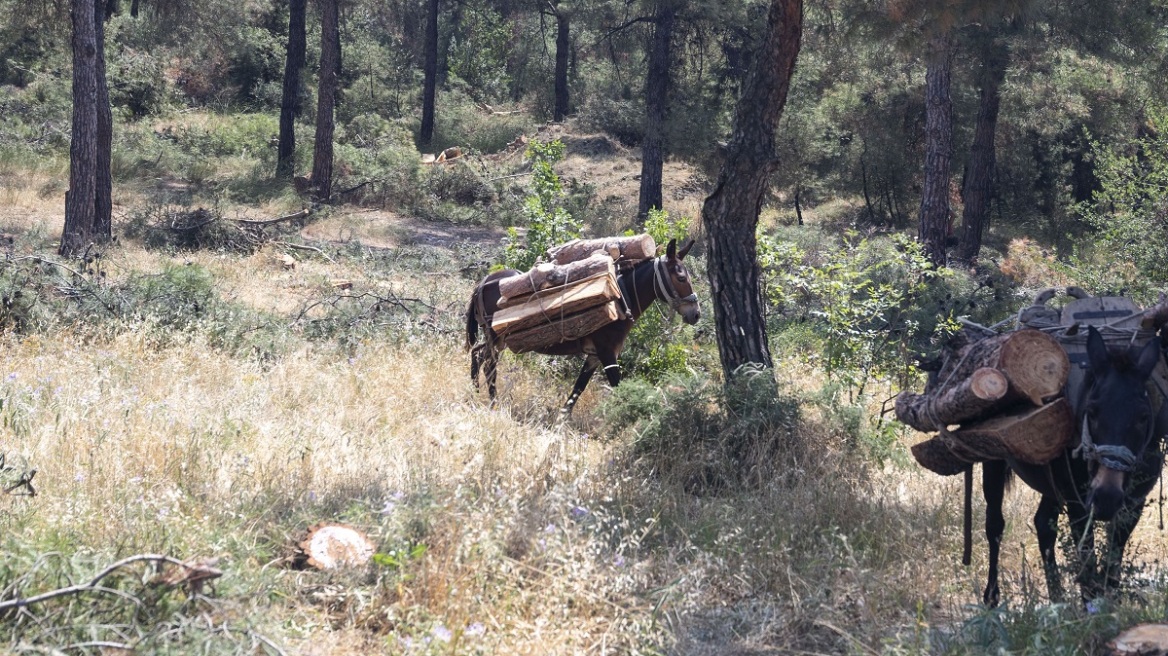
1046 525
611 368
1087 567
590 365
491 369
993 489
1120 532
476 361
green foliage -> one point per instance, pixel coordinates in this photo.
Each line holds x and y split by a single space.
1130 210
479 51
700 434
379 151
548 222
137 82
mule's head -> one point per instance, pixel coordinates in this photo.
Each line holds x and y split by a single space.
1117 422
677 287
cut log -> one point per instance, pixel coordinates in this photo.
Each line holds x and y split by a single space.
556 304
1033 435
547 275
936 457
1034 363
970 398
572 327
630 249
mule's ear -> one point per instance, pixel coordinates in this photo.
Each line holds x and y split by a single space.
1149 357
671 249
685 250
1097 351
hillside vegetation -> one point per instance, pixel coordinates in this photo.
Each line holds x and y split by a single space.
214 382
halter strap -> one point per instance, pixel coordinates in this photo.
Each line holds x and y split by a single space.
663 286
1117 457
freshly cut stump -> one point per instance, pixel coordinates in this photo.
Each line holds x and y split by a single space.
332 546
1141 640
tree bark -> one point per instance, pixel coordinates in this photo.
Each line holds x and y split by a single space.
935 215
290 101
730 213
134 9
103 178
330 72
968 398
80 207
657 85
568 328
979 177
563 49
555 304
630 249
430 71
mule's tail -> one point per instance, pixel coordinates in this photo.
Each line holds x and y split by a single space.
472 322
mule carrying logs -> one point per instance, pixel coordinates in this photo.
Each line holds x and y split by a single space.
1028 418
568 298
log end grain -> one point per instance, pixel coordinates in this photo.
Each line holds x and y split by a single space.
1035 364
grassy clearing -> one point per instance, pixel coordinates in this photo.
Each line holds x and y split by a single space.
227 430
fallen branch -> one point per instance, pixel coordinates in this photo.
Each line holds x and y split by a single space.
91 585
37 258
352 189
302 214
508 177
305 247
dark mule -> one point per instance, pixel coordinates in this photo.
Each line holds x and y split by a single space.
1104 476
663 278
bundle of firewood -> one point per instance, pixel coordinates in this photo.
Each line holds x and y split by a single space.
996 397
573 295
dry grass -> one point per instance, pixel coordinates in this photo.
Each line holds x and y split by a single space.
503 533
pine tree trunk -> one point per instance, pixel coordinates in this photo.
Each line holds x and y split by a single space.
134 9
290 102
103 192
979 178
80 198
430 71
935 224
656 108
730 213
563 48
330 58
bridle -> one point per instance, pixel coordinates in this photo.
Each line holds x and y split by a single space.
663 287
1113 456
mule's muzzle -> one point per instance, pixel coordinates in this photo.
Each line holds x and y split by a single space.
690 312
1106 497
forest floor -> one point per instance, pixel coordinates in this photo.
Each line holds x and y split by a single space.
498 530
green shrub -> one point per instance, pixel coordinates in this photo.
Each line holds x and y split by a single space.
548 222
137 82
373 150
702 435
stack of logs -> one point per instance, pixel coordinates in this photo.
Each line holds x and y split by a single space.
573 295
1004 392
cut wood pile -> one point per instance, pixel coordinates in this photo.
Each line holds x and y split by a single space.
1003 392
997 396
571 296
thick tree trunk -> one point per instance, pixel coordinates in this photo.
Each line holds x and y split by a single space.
103 178
80 206
563 49
430 71
134 9
330 72
656 109
935 215
730 213
979 177
290 102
